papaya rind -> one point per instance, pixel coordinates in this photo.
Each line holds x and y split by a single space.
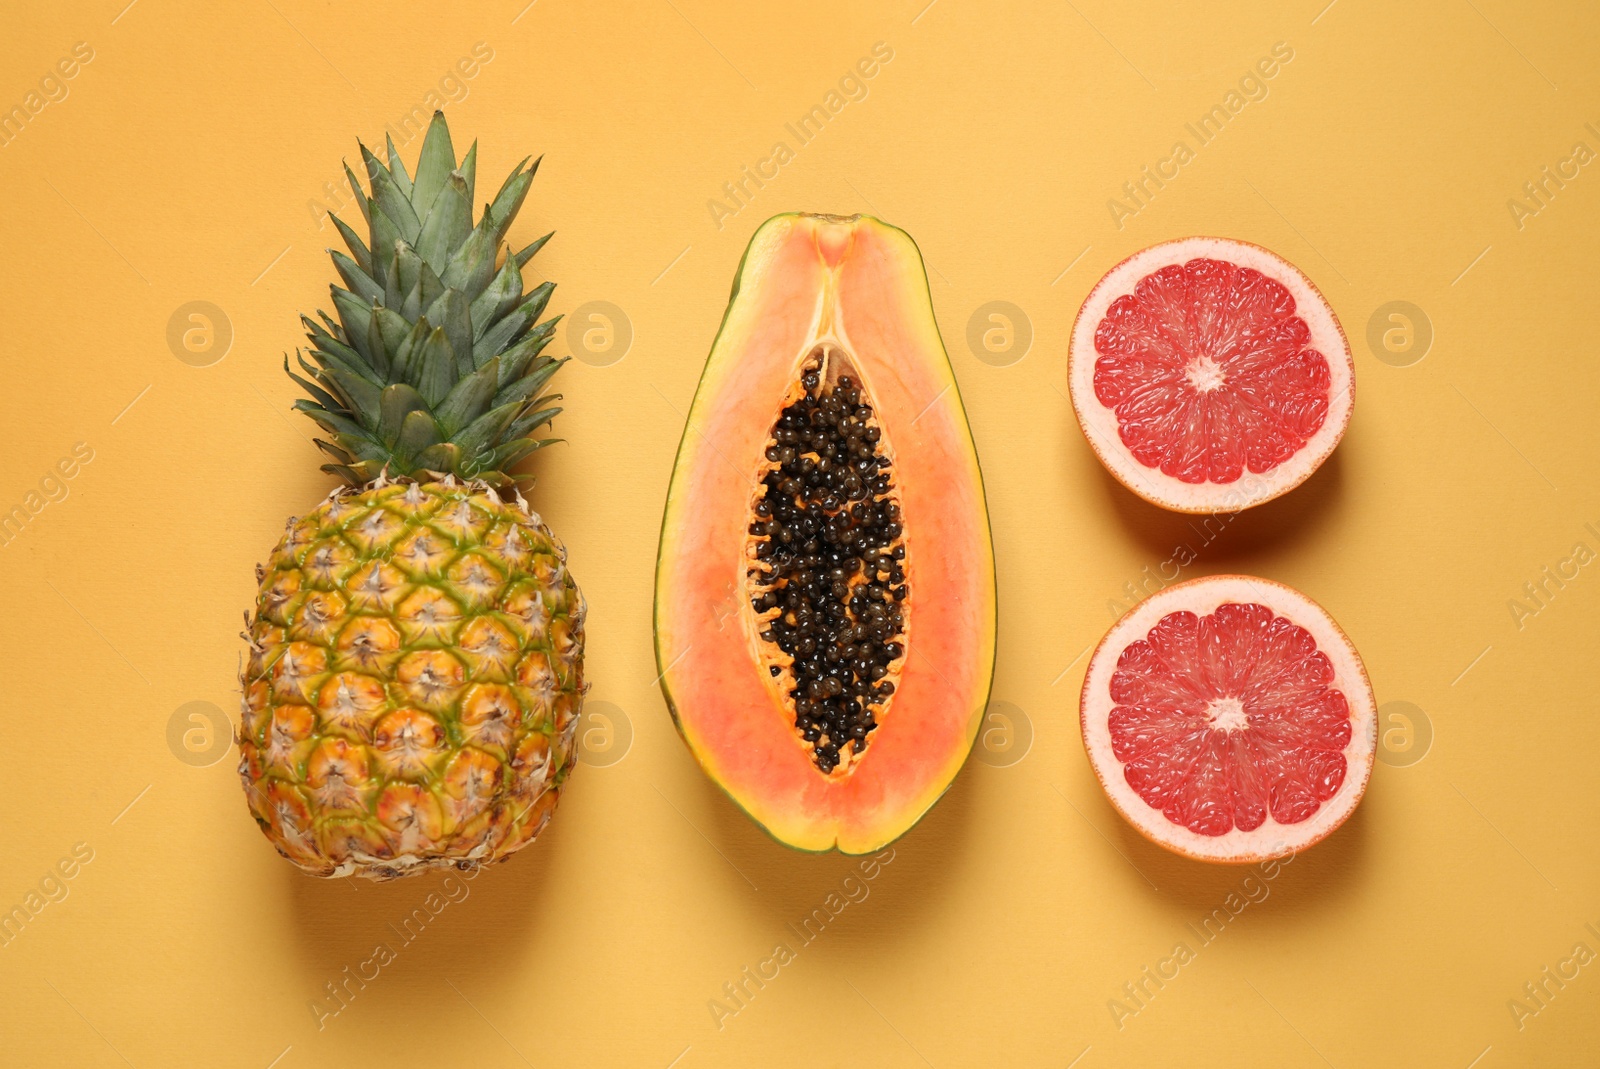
806 833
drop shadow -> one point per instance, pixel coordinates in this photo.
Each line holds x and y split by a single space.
1315 878
531 470
433 920
912 877
1276 527
1285 524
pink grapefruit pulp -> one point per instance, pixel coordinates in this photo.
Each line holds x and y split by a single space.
1229 719
1209 375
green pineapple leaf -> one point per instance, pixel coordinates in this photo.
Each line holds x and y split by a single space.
432 361
438 159
397 402
448 224
353 242
397 168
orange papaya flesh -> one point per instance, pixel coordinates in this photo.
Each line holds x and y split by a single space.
843 298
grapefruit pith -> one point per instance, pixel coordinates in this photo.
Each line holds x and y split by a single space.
1229 719
1209 375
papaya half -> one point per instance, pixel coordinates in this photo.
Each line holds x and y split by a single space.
825 595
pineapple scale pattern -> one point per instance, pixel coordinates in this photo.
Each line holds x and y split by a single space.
414 681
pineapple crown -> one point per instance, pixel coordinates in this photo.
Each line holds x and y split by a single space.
433 365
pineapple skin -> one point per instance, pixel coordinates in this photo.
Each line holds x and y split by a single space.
414 681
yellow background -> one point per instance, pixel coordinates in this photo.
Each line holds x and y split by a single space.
181 166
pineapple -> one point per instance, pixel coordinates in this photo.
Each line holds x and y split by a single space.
415 666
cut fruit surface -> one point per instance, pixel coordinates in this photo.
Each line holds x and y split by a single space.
1209 375
825 600
1230 719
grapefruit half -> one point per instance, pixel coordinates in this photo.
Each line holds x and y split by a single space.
1229 719
1209 375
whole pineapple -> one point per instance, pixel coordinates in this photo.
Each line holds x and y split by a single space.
415 671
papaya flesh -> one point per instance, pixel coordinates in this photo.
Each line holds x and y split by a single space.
825 596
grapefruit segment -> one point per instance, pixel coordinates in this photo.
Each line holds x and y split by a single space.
1229 719
1209 375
